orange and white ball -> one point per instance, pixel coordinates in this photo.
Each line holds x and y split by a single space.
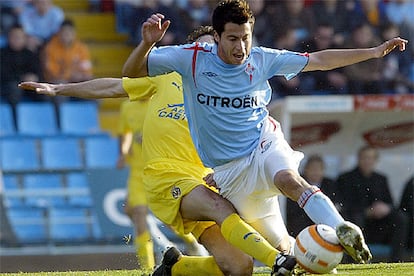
317 249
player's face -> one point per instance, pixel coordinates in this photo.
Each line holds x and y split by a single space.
235 43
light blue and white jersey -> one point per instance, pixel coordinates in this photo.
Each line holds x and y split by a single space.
225 104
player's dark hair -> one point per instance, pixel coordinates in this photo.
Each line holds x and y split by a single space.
67 23
199 32
231 11
15 26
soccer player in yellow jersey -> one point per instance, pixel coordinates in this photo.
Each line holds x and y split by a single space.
131 121
173 180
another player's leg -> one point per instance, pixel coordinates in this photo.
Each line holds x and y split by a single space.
225 259
204 204
320 209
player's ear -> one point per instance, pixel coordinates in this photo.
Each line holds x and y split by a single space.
216 37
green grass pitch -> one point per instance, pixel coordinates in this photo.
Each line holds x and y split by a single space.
378 269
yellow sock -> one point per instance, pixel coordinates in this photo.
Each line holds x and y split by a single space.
189 238
145 250
247 239
195 265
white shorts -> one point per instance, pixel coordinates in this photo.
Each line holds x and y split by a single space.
248 182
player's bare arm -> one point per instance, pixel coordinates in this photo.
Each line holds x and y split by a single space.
92 89
153 30
335 58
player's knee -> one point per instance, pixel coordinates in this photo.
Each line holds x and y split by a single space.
290 183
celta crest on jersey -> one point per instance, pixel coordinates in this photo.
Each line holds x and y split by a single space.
172 111
249 71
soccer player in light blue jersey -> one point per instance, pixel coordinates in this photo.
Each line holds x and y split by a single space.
225 95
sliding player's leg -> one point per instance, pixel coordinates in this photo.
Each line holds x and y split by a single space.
180 201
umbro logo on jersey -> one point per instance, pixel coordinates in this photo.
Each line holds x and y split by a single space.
210 74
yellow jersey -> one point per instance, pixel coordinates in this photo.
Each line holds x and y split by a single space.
132 114
165 132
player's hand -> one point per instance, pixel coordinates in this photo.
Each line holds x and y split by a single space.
389 45
40 88
210 180
153 30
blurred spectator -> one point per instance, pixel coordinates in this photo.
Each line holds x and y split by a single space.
66 58
329 82
397 65
366 200
314 173
9 16
102 5
294 14
285 39
262 36
124 12
337 13
131 20
401 12
41 21
198 11
406 206
17 64
364 77
371 11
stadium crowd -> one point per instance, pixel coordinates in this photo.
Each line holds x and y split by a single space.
301 25
30 28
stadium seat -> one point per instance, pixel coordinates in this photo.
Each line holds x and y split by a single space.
101 151
69 224
44 189
6 120
11 188
78 180
19 154
29 224
79 118
61 153
36 119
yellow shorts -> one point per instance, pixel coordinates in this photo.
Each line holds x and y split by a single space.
136 189
166 183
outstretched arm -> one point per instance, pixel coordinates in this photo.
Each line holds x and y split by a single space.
152 32
335 58
92 89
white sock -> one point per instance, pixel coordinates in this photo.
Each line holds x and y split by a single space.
319 207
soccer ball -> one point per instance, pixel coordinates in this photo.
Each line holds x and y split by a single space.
317 249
